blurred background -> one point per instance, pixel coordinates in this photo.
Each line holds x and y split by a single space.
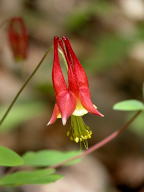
108 38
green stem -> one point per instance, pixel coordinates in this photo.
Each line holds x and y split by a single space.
101 143
22 88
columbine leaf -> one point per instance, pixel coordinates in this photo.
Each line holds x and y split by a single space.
129 105
48 157
9 158
42 176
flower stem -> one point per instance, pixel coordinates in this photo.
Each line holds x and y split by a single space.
101 143
22 88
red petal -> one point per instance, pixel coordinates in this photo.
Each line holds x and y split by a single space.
82 81
85 99
71 75
57 76
67 103
55 113
77 67
64 97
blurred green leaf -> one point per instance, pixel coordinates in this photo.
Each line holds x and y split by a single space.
109 50
129 105
77 20
48 157
9 158
101 8
45 88
139 35
42 176
20 113
138 125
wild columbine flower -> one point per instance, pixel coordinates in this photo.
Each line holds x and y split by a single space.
18 38
73 99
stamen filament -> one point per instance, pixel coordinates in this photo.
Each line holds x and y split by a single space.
79 131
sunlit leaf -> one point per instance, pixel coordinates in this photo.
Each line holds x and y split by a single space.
129 105
9 158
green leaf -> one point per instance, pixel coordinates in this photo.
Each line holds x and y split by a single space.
129 105
48 157
20 113
138 125
42 176
9 158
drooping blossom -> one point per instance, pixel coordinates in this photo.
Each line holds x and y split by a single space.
18 38
72 98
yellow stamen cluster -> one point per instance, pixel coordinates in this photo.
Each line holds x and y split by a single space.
79 131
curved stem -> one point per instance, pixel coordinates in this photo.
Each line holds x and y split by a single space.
101 143
22 88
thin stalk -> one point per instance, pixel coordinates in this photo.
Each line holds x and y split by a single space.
22 88
101 143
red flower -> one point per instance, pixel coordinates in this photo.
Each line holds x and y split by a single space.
74 98
18 38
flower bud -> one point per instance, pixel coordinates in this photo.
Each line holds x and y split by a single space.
18 38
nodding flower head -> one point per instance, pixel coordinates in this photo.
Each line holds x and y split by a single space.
72 98
18 38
